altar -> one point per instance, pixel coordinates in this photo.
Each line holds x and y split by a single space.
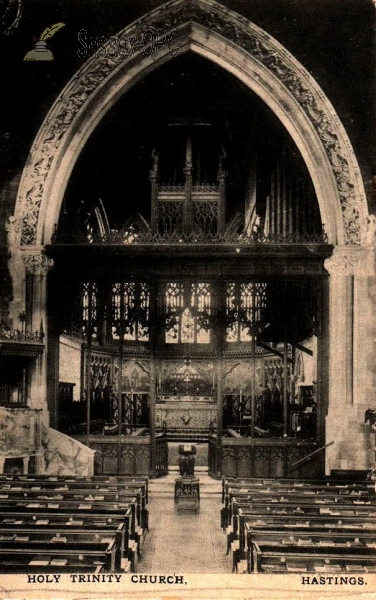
185 412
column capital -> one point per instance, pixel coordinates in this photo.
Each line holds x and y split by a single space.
38 263
351 260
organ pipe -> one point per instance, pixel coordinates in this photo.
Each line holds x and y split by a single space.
272 207
291 207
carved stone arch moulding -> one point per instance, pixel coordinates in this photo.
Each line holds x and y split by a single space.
97 85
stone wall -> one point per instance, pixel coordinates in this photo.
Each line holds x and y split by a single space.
70 364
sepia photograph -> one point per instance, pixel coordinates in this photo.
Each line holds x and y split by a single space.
187 299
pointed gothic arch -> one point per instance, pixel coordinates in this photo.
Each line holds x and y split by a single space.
240 47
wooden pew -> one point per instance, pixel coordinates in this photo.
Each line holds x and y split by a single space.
66 539
265 514
264 511
269 559
63 493
105 551
15 564
42 517
327 497
60 521
28 503
101 479
83 496
315 509
298 509
80 502
319 495
70 505
317 539
95 481
261 488
311 485
56 528
248 518
302 502
47 561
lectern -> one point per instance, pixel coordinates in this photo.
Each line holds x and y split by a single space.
187 486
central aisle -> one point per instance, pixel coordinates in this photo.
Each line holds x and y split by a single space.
184 543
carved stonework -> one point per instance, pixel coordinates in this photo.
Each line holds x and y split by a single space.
38 264
351 261
216 19
12 227
368 237
16 267
20 431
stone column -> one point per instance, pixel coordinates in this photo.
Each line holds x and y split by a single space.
364 354
351 314
37 266
16 270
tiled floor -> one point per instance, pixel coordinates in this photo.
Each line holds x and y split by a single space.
184 543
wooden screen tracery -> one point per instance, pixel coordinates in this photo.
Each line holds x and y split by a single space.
130 311
188 311
263 323
206 216
245 303
135 409
89 309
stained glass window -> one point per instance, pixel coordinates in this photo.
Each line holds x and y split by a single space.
188 310
245 303
89 309
130 311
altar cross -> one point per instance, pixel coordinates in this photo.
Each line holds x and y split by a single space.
189 122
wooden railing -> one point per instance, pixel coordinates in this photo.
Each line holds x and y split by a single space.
161 466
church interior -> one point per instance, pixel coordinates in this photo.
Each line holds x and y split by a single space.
187 309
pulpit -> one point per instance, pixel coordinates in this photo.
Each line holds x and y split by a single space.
187 486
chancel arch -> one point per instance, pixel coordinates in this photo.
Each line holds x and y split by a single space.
239 47
193 293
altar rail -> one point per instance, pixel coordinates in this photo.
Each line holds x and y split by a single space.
246 457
